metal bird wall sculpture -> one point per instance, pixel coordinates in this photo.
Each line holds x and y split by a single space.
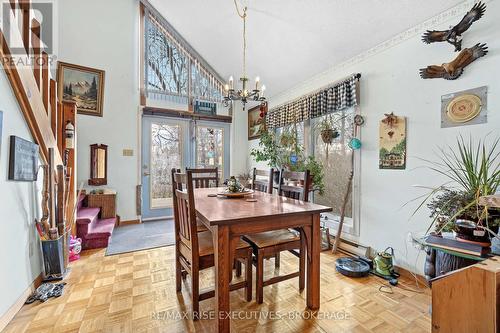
454 35
455 68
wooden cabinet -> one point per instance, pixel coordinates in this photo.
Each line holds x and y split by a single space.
467 300
106 202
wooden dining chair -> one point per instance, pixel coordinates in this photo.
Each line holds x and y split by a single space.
194 250
271 243
262 180
204 178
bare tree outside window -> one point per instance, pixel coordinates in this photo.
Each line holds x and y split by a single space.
210 148
336 159
166 153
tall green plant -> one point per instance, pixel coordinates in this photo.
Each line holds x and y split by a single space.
473 169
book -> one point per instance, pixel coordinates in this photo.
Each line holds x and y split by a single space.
455 245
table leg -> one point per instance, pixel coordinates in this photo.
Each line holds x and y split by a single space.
223 267
313 262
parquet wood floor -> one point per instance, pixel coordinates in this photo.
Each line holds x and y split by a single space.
135 292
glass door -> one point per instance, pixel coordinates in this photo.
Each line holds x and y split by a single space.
165 145
177 143
212 147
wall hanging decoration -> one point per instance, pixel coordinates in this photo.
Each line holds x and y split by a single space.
454 69
468 107
82 85
392 153
454 35
23 163
256 121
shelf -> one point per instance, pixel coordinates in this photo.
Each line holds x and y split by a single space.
186 114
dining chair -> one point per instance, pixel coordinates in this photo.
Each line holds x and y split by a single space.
194 250
204 178
271 243
262 180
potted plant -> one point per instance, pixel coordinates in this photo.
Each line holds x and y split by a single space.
286 153
327 129
473 171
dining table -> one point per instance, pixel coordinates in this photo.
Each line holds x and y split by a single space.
230 218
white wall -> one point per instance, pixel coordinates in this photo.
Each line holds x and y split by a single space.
390 83
105 35
20 254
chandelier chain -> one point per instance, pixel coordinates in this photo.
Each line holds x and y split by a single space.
244 17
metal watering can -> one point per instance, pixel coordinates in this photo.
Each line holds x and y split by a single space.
383 262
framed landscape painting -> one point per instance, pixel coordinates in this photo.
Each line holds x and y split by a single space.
82 85
255 122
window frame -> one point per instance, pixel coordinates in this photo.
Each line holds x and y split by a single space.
349 230
204 75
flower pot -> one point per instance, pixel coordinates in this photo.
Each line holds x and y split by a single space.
468 231
327 135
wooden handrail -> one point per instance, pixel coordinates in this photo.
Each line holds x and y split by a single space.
27 92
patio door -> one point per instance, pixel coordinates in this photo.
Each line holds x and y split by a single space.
177 143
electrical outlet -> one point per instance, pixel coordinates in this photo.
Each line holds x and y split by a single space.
128 152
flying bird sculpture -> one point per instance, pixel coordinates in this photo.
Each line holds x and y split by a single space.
455 68
454 34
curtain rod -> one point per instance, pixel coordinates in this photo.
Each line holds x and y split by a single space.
353 75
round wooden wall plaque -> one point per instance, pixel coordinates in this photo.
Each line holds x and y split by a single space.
464 108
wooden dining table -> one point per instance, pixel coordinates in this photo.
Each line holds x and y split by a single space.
230 218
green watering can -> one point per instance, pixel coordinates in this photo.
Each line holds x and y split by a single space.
383 262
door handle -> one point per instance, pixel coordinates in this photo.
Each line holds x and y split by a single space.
147 173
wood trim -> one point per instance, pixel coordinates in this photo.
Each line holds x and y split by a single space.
29 98
128 222
14 309
25 16
36 47
185 114
142 54
45 81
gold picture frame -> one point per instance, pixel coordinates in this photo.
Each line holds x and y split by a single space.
255 123
82 85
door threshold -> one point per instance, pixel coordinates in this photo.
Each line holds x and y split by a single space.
157 218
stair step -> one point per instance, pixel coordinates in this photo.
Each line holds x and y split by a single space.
101 228
86 213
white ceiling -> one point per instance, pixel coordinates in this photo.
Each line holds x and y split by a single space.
291 40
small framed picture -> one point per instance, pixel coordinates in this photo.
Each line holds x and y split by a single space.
256 122
82 85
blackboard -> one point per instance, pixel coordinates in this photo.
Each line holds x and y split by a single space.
23 163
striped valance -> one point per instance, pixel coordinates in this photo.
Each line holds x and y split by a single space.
332 98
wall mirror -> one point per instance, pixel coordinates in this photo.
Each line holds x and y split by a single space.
98 165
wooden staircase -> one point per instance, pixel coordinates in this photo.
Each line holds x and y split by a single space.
36 91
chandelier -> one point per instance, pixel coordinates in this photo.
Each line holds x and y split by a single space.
244 94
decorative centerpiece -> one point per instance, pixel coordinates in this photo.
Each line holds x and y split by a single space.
234 189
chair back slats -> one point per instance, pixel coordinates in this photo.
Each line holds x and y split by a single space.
262 184
205 178
300 191
184 209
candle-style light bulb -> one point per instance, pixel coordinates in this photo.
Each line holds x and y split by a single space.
231 82
257 80
263 89
226 87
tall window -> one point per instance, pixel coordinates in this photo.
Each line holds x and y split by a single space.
166 153
172 69
337 161
210 148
